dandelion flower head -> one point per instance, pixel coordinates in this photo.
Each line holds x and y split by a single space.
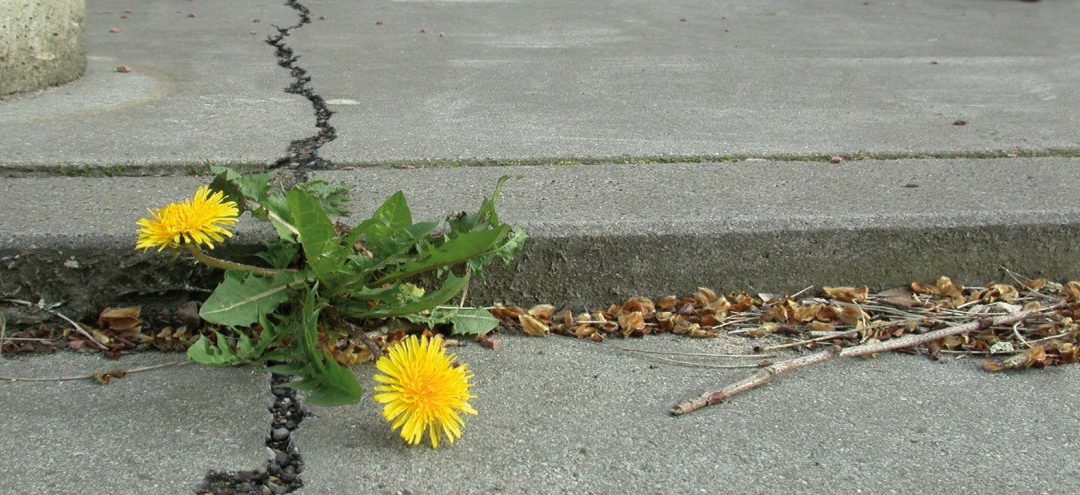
198 220
423 390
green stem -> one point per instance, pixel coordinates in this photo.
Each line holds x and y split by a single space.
208 260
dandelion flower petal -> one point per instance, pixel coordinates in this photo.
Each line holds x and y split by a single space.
198 220
423 391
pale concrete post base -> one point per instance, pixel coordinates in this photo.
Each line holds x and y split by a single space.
41 43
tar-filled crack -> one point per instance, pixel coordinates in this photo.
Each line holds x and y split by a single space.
282 471
302 155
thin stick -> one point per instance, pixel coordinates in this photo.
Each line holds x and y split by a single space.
834 335
707 365
89 376
1052 337
54 312
3 334
701 354
797 294
753 381
765 376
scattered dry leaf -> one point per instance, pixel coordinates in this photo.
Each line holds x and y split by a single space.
532 326
848 294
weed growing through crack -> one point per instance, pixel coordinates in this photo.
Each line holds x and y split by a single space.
321 280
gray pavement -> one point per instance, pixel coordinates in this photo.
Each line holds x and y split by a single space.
652 155
604 233
564 416
155 432
557 78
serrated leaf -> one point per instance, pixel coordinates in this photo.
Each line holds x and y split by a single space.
242 298
507 250
332 196
279 253
485 217
336 387
458 249
388 230
464 321
328 383
244 347
239 187
361 309
322 246
203 352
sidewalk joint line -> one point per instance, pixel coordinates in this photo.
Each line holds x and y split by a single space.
311 161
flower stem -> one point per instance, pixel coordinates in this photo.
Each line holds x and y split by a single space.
208 260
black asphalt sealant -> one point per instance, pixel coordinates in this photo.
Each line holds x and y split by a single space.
302 155
282 472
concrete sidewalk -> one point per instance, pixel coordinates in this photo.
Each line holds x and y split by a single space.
658 147
557 79
564 416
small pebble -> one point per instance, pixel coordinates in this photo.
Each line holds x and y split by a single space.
281 457
193 15
123 16
114 30
423 30
125 69
959 122
836 159
279 434
378 23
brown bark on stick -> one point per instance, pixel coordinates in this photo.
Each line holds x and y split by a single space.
765 375
753 381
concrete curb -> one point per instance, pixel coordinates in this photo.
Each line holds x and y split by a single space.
603 233
41 43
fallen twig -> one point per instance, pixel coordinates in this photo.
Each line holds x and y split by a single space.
54 312
92 375
698 354
764 376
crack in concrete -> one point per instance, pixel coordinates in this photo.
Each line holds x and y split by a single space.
198 169
302 155
282 472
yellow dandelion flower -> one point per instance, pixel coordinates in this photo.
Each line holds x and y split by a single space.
197 220
423 390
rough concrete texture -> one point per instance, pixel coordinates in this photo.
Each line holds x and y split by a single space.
41 43
565 416
558 415
152 432
603 233
561 78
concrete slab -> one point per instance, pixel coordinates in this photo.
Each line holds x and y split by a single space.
603 233
152 432
564 416
559 78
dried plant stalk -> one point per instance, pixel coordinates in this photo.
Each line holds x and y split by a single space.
766 375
